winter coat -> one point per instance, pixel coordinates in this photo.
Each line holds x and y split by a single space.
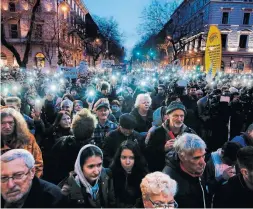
142 126
243 139
214 172
155 154
127 188
48 112
113 141
63 156
191 191
79 198
234 194
34 149
43 194
157 101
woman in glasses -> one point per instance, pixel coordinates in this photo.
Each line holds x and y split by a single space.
158 191
128 169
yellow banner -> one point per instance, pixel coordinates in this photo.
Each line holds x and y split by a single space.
213 50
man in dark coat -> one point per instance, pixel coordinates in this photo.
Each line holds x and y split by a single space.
159 98
238 191
185 164
124 132
162 139
20 188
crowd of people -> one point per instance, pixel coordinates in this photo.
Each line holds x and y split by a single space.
149 138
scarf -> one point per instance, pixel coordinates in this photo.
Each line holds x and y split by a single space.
80 179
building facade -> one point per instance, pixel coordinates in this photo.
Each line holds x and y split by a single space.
59 34
234 18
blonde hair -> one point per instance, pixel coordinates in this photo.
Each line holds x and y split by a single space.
83 124
156 183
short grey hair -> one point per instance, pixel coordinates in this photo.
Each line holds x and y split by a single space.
156 183
188 143
16 154
67 102
142 97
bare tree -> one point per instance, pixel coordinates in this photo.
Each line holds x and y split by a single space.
34 4
156 15
49 41
109 28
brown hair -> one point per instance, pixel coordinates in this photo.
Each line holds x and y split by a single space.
21 133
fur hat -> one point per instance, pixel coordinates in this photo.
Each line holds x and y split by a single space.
127 121
175 106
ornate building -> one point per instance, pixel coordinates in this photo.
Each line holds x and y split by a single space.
234 18
187 30
61 32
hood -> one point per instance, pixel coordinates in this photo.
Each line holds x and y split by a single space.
78 170
172 160
157 117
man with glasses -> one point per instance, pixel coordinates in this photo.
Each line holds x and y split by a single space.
20 188
158 191
162 139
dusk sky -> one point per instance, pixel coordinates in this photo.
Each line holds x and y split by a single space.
126 12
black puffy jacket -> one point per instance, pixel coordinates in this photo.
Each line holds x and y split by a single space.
191 190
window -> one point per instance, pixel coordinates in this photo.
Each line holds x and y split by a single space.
243 41
240 65
246 18
14 31
38 31
225 18
224 40
12 7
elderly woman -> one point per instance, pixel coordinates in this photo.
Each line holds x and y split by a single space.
158 191
142 113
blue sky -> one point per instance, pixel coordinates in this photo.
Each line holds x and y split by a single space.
126 12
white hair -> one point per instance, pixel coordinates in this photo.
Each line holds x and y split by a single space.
188 143
67 102
156 183
199 91
140 97
16 154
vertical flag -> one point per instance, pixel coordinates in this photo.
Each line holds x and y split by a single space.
213 50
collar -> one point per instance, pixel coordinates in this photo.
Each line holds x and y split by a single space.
191 174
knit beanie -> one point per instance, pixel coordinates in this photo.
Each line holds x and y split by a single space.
175 106
127 121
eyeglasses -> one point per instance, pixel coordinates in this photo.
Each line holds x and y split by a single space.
164 205
11 123
16 177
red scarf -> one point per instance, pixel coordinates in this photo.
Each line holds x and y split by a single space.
171 135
